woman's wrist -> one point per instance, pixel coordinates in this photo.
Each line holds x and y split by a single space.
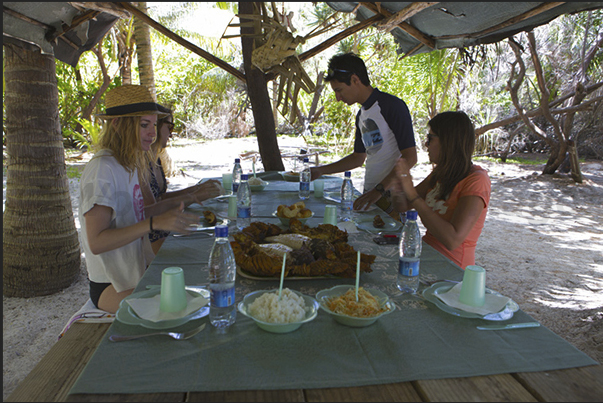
414 199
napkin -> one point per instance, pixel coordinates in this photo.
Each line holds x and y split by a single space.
493 304
148 308
348 226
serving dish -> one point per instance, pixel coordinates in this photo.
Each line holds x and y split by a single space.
311 312
290 176
285 221
334 292
125 313
431 293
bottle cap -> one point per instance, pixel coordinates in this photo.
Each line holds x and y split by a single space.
306 160
348 174
412 215
237 160
221 231
244 177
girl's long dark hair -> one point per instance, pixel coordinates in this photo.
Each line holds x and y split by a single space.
457 142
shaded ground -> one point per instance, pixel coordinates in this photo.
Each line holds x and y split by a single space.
542 245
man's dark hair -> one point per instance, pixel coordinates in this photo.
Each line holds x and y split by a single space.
343 66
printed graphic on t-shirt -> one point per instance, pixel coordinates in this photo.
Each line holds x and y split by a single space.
436 205
138 203
371 136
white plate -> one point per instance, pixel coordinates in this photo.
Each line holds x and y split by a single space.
125 313
390 225
370 208
430 294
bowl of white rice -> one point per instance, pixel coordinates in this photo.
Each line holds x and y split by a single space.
257 184
276 315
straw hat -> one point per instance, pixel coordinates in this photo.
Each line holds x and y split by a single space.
130 100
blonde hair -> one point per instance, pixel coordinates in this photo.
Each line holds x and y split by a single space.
122 137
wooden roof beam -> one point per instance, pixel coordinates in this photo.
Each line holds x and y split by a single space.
404 26
407 12
48 28
106 7
178 39
535 11
338 37
77 21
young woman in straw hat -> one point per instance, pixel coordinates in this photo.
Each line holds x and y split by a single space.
154 190
114 226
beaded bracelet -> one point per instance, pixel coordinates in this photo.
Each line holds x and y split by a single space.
151 223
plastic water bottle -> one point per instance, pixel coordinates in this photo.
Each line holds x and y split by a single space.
410 254
237 171
243 203
222 274
304 181
347 193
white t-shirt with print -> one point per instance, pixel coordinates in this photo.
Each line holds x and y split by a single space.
383 128
107 183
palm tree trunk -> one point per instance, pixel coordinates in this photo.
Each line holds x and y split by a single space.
144 51
41 251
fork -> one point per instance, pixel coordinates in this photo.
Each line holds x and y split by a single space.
175 335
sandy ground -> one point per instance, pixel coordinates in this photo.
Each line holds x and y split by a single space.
542 245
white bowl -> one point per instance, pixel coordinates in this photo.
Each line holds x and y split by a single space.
285 221
311 312
258 188
353 321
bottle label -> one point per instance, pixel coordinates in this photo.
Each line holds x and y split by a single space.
304 186
244 212
409 267
222 298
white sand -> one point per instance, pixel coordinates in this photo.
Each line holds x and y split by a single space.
542 245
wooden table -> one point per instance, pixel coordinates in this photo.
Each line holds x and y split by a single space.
55 374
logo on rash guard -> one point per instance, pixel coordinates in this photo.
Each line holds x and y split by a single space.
138 203
371 135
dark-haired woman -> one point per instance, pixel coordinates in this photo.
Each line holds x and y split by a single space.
452 201
155 194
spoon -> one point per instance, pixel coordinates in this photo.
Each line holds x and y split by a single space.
174 335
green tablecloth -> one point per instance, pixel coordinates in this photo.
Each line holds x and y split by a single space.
417 341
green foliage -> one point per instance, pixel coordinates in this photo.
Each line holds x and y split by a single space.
73 172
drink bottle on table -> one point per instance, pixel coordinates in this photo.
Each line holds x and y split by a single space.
237 171
347 194
304 181
222 274
410 254
243 203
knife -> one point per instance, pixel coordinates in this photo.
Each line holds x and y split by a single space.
509 326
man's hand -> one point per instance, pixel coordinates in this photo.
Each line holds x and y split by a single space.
367 199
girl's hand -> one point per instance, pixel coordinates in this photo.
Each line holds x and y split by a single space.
176 220
206 190
405 179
